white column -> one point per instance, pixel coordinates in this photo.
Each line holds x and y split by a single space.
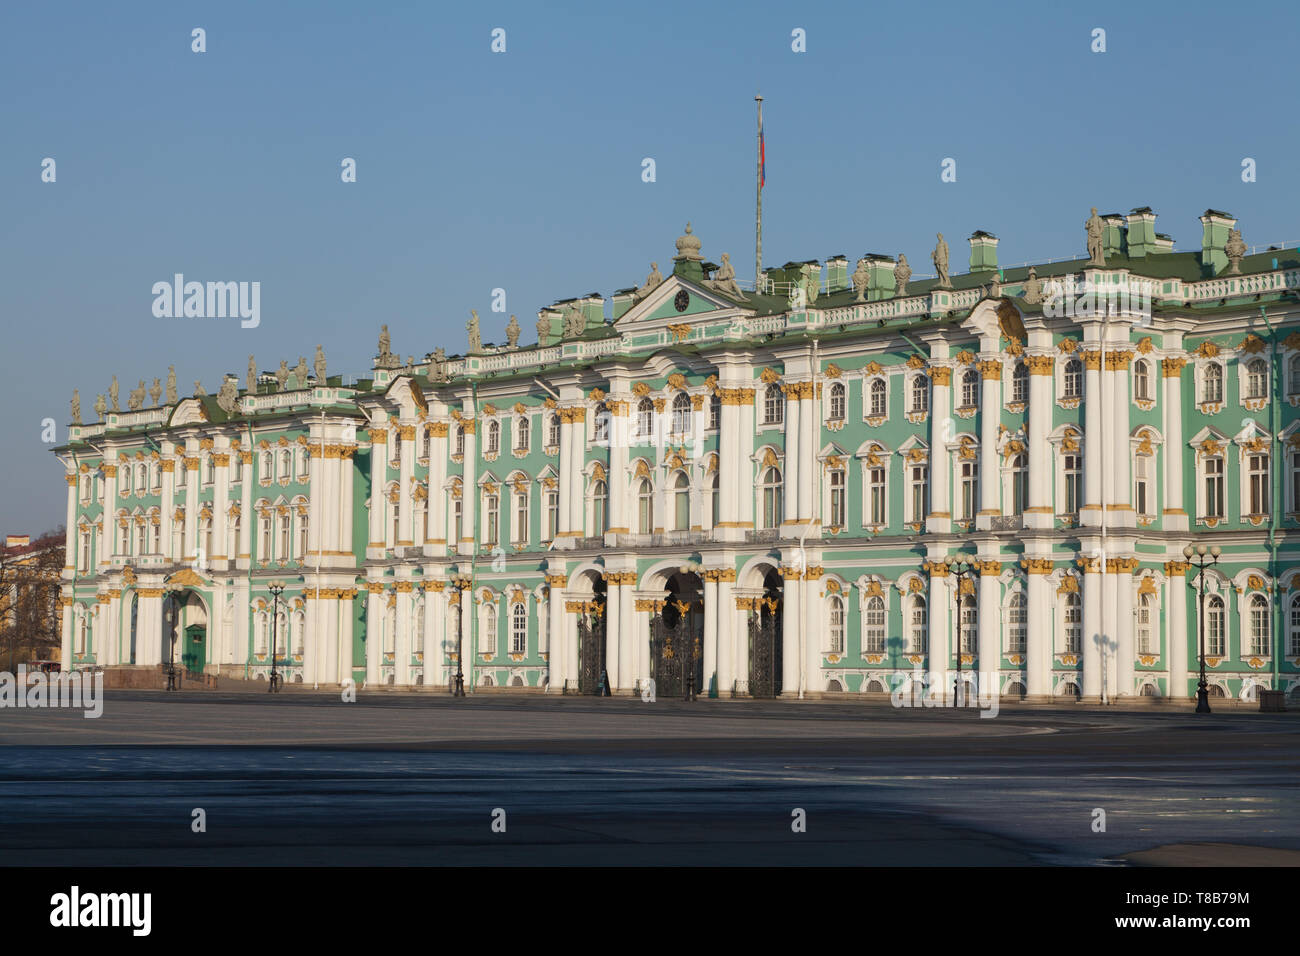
374 633
566 483
1092 630
744 445
191 507
435 632
711 686
939 517
725 607
990 417
613 628
1039 658
344 634
1109 648
1119 505
220 506
617 481
940 655
1126 653
792 636
378 466
65 635
809 472
1093 440
558 666
70 530
1175 515
1041 383
436 545
406 469
578 449
792 464
630 636
402 649
988 635
814 628
246 522
1176 633
167 504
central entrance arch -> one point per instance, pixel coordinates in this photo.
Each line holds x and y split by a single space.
677 638
185 630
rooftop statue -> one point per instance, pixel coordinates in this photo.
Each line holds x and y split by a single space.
76 407
228 397
171 385
1033 293
574 322
251 381
155 393
543 330
282 374
725 280
112 394
135 398
652 281
475 337
300 372
940 259
902 273
199 391
385 347
1234 249
440 354
320 365
1096 246
512 333
101 406
861 279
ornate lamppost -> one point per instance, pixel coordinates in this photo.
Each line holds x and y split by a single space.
276 588
961 568
169 621
462 582
1197 556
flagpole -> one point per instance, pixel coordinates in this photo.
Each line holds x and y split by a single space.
758 220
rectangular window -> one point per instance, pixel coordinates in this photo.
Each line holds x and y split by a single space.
877 482
1141 466
969 490
552 513
837 499
918 493
491 503
1258 467
1214 487
1073 476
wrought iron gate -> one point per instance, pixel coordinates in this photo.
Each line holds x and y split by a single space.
676 663
765 650
591 654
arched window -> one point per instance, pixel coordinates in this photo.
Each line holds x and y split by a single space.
1020 383
282 551
519 629
210 470
1146 634
268 466
487 642
1212 386
835 625
877 398
304 464
299 624
1073 614
873 641
602 427
599 500
1073 379
645 507
1257 379
917 625
125 472
1294 649
1257 625
521 433
1142 380
1017 624
715 412
770 492
458 447
681 417
493 444
1214 645
553 431
286 464
970 388
773 405
837 402
681 502
645 418
920 394
141 477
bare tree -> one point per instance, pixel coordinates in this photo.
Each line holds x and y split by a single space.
29 598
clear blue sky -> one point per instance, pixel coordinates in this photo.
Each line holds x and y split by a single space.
523 170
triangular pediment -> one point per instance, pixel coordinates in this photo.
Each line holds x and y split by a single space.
679 300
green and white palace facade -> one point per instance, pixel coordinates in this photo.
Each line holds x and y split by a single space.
774 479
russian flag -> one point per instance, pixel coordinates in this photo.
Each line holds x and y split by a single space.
762 160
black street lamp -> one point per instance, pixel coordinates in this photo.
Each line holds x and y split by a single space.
462 583
1197 556
276 588
169 621
961 568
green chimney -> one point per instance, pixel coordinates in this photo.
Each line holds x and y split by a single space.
1215 226
837 274
1112 235
1141 232
983 252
